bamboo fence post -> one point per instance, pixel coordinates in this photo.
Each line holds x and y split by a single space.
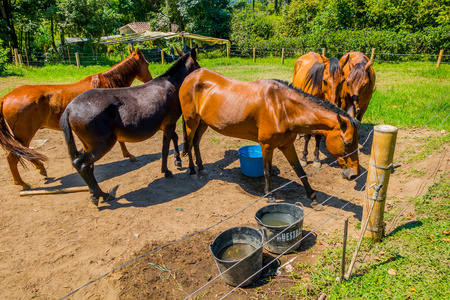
228 51
77 58
121 55
372 56
16 56
162 56
26 56
190 43
20 59
440 58
379 171
254 54
282 55
45 53
323 51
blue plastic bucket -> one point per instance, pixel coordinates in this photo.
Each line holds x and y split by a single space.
252 164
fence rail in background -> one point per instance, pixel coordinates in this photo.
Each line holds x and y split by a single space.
158 55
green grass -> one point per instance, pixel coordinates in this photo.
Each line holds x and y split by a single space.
419 252
403 90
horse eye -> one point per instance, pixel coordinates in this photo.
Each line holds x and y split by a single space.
347 145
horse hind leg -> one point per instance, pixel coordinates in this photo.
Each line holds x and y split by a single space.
167 137
317 162
198 158
304 159
176 150
126 153
13 160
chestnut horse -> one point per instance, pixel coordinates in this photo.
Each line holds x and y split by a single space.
359 86
28 108
323 78
269 112
101 117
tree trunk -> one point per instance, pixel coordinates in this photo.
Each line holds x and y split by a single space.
52 33
6 14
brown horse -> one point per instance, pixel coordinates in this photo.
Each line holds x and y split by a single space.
323 78
268 112
101 117
28 108
359 85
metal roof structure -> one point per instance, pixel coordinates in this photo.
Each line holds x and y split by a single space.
153 35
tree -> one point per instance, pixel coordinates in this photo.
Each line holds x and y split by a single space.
7 30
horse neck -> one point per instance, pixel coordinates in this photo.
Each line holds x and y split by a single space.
313 119
121 74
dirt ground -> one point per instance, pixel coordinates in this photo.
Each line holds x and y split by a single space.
51 245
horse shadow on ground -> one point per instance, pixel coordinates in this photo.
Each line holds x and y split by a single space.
160 190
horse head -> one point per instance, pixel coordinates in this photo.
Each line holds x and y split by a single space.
357 79
333 79
143 74
342 143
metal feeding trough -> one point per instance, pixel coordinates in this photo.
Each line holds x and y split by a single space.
283 220
238 254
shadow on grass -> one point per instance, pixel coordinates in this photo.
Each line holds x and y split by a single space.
409 225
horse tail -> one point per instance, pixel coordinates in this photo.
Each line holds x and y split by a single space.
9 143
68 135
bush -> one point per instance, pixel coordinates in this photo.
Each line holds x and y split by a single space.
3 59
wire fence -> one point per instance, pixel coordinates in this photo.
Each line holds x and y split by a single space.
68 57
445 118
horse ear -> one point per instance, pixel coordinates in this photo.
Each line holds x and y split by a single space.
194 54
342 123
96 82
180 53
368 65
139 52
345 61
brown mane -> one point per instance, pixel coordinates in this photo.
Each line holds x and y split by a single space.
358 73
114 77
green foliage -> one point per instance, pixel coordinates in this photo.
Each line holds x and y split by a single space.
249 28
206 17
3 59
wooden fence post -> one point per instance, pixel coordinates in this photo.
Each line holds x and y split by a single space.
254 54
77 57
190 43
440 58
282 55
372 56
121 55
45 53
162 56
16 56
26 56
20 59
228 51
323 51
379 171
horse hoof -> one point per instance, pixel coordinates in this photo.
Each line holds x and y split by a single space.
271 199
168 174
178 163
26 187
317 164
202 172
107 197
303 163
94 200
316 205
132 158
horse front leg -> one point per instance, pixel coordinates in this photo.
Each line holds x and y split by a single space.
291 155
304 160
126 153
267 153
317 163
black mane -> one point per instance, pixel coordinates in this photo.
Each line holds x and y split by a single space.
314 77
334 66
326 104
176 66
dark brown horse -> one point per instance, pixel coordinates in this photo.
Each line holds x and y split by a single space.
28 108
268 112
359 85
101 117
323 78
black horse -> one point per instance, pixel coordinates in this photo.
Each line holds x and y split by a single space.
101 117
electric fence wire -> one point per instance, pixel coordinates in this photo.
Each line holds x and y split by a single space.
245 208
